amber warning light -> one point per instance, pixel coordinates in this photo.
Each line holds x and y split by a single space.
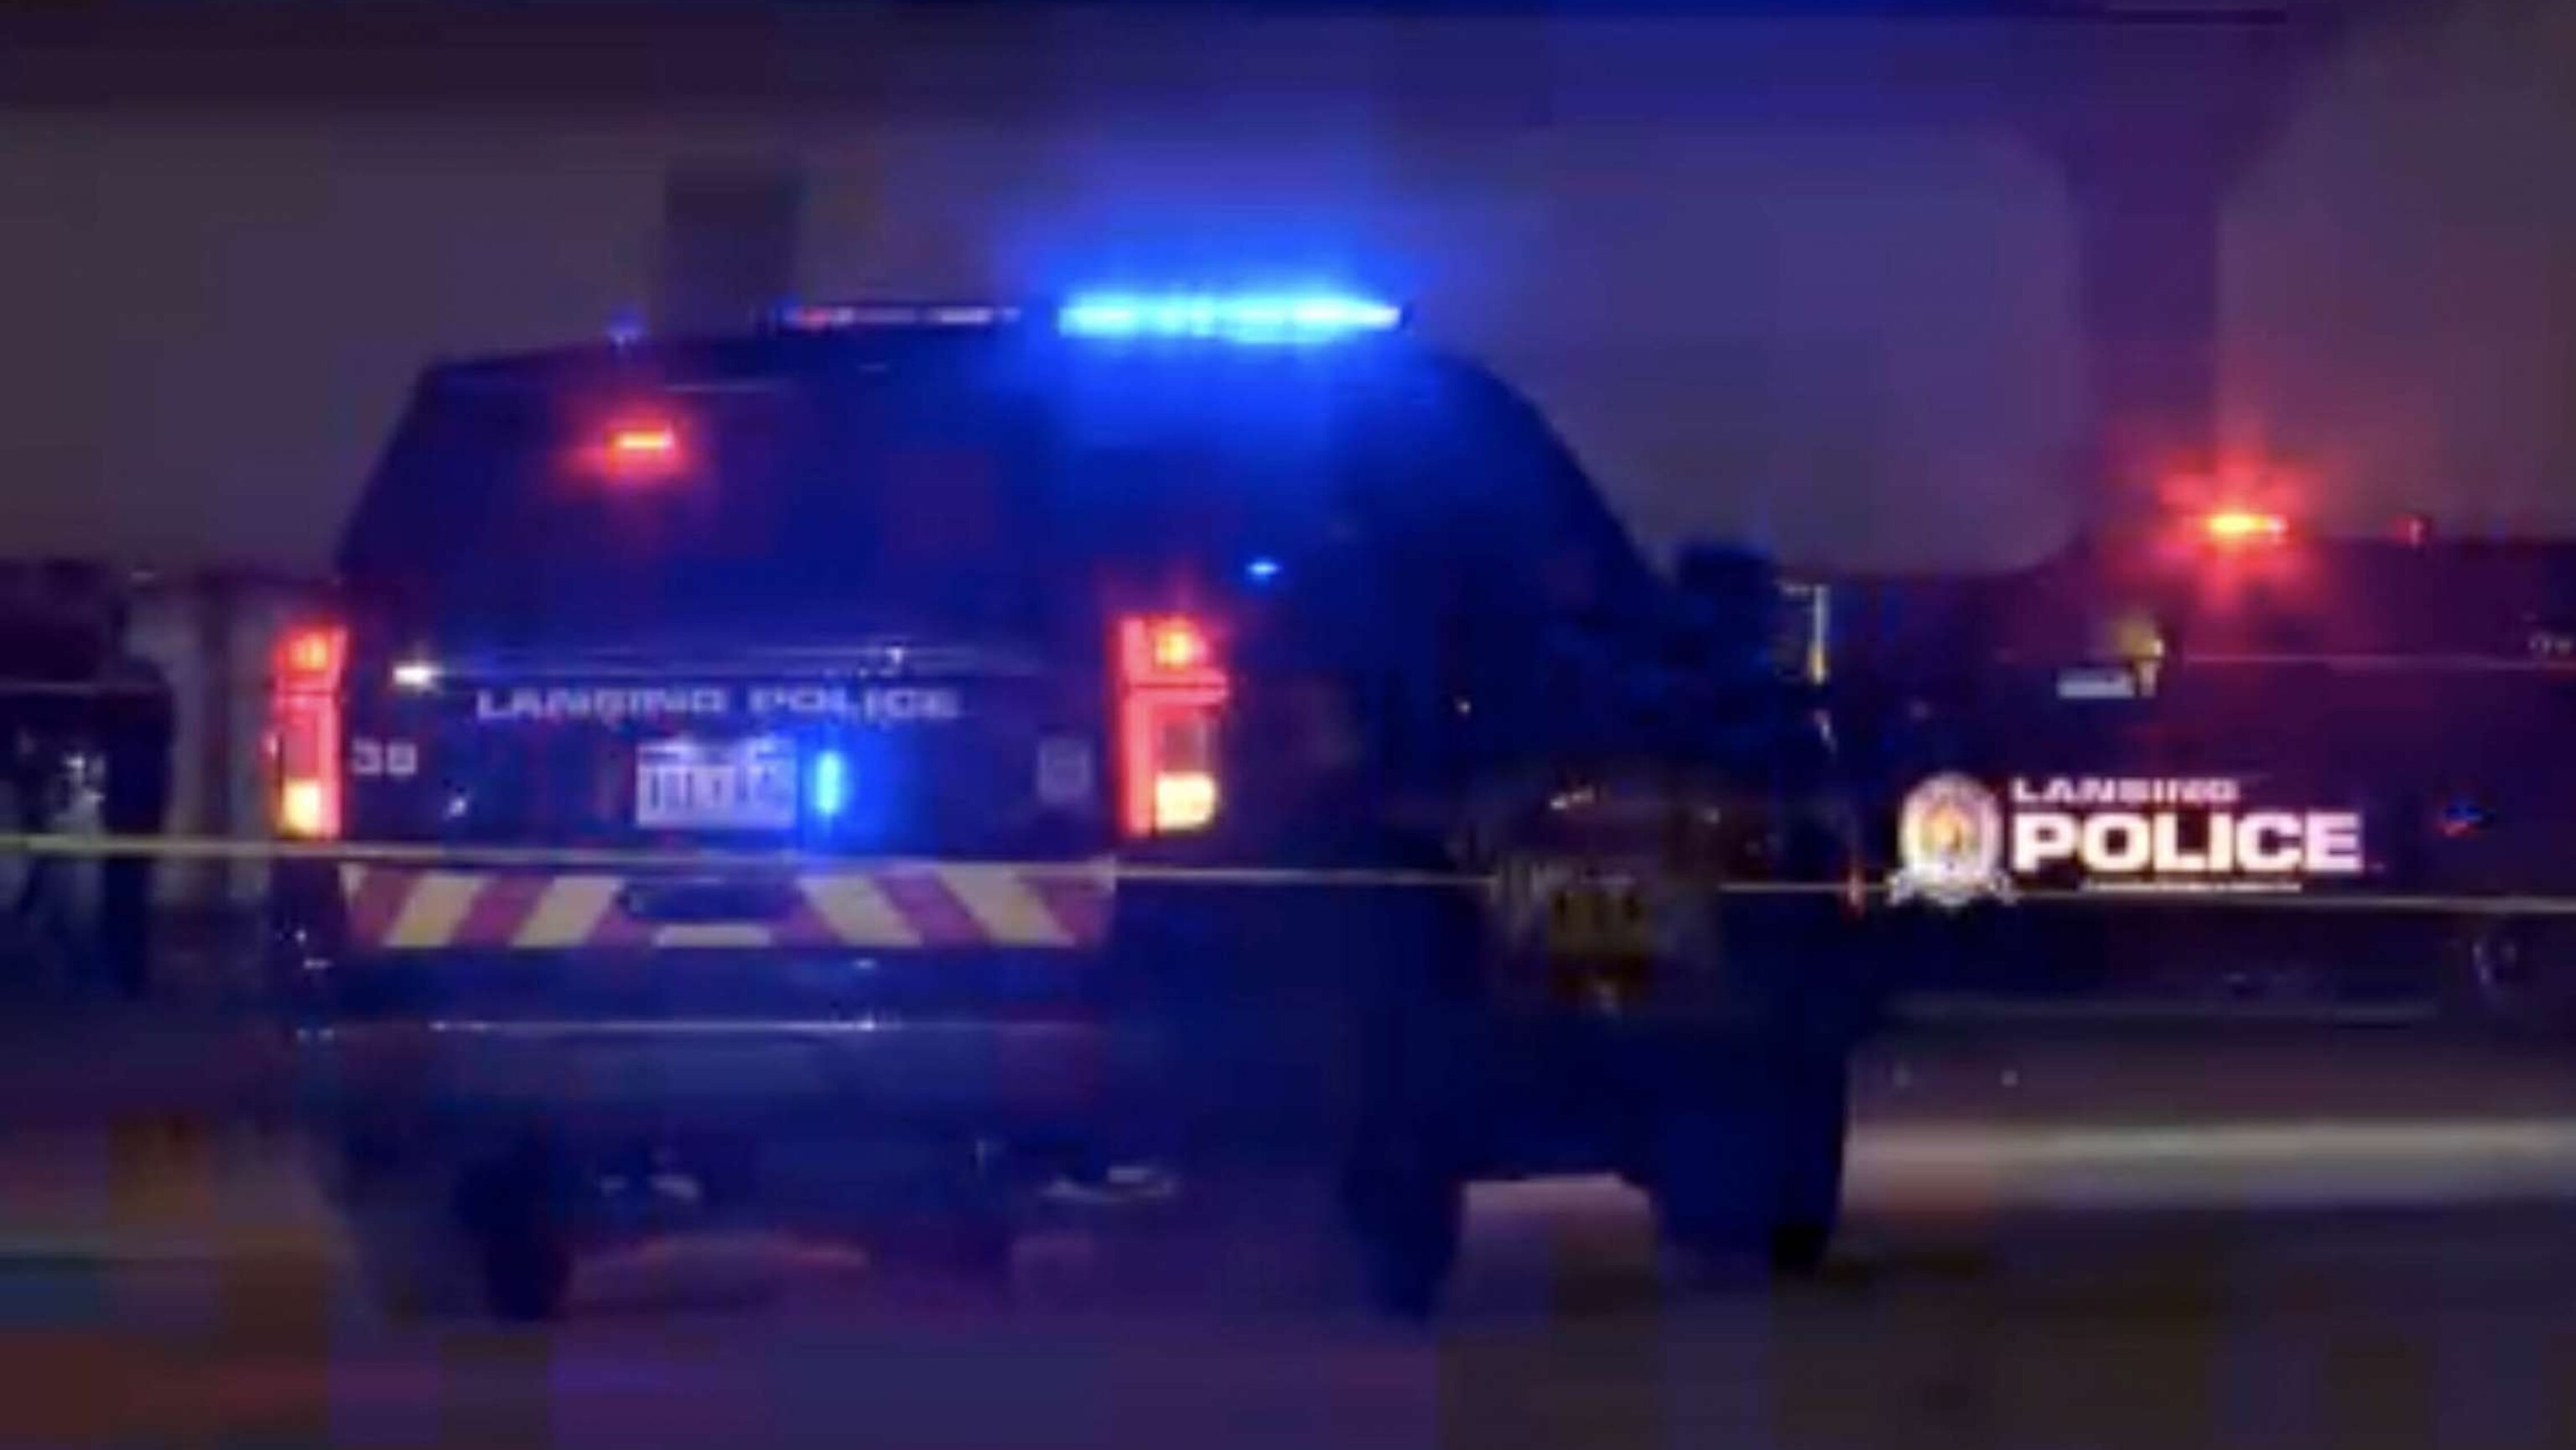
644 443
1178 644
636 448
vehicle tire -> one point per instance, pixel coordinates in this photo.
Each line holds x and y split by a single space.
527 1271
413 1257
1758 1170
1707 1199
1811 1132
1406 1219
510 1209
488 1239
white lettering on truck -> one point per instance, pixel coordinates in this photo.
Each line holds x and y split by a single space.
889 704
2119 832
883 704
599 703
2165 842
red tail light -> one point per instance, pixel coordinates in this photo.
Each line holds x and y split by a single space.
1170 690
304 730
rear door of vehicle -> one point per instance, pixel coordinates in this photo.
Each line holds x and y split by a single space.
969 605
764 607
760 602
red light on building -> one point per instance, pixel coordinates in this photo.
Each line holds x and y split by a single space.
2233 528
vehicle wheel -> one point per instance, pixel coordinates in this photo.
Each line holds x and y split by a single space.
527 1271
1760 1174
413 1255
1798 1248
1810 1133
1708 1195
1406 1220
488 1239
510 1211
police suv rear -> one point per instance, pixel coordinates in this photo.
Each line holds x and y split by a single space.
921 765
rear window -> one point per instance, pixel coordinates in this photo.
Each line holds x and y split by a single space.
509 499
966 490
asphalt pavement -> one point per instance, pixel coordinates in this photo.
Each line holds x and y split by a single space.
2271 1235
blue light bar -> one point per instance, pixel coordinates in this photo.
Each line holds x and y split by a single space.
828 792
1262 317
858 316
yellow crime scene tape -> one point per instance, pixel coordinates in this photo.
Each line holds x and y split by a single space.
1607 871
605 858
163 1163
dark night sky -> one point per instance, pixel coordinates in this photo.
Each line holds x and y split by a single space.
1817 279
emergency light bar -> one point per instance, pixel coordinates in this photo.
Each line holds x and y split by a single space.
1235 317
1257 317
857 316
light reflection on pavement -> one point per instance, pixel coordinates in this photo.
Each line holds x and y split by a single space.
2337 1240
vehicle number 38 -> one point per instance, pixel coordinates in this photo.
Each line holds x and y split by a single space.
399 759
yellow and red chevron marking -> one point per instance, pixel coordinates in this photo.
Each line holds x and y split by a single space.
923 907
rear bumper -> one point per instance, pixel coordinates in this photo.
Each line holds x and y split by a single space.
608 1078
1206 1022
373 909
1506 1096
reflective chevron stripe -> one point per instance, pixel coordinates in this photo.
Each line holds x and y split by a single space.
909 907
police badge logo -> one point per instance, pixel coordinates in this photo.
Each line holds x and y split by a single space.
1949 845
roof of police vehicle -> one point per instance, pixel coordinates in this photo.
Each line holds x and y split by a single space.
895 332
1439 439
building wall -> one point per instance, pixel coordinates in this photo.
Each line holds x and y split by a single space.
2400 275
1819 284
1761 298
210 638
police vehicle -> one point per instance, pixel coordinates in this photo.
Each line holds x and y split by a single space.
2216 719
904 763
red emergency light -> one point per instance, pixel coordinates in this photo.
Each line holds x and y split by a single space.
2243 528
